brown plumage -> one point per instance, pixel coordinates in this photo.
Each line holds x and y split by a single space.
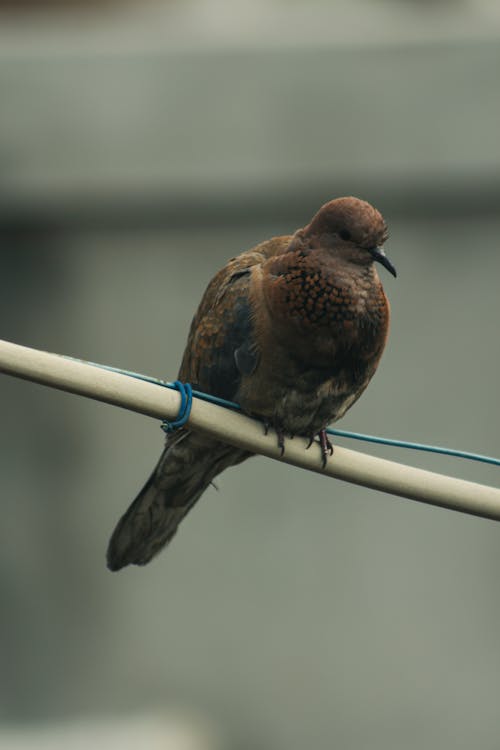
292 330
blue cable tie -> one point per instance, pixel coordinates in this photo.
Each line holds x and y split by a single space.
184 410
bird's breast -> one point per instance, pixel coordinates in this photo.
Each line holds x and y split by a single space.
325 312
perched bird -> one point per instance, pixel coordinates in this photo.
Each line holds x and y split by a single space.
293 331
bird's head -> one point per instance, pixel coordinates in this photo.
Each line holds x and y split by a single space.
350 229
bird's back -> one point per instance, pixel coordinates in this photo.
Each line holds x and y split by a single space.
224 324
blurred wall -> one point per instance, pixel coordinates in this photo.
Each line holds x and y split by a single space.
139 151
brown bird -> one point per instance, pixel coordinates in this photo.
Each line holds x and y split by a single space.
293 331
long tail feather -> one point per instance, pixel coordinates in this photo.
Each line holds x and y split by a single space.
186 467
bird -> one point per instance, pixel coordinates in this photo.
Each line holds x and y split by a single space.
293 331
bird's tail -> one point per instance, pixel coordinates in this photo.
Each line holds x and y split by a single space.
186 467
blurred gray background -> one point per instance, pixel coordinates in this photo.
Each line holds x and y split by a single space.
141 146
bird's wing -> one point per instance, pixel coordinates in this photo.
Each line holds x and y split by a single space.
221 346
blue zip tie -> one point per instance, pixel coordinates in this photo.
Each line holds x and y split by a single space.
188 393
185 408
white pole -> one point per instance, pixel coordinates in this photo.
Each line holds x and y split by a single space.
162 403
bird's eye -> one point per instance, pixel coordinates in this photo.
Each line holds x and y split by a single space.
344 234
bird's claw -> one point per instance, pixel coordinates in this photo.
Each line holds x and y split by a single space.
326 447
324 444
281 442
279 434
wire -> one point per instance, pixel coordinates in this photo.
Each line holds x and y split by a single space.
415 446
185 409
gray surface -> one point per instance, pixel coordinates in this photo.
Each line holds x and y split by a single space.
293 611
209 118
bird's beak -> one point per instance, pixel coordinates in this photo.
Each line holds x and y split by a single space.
379 255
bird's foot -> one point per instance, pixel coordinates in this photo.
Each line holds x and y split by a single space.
325 445
281 442
280 434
